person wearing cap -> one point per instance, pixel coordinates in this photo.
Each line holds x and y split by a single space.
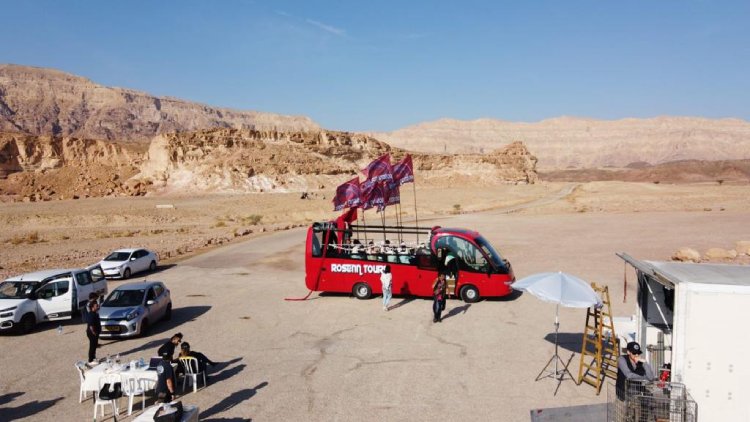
200 357
631 367
165 378
169 346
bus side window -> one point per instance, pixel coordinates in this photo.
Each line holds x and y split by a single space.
317 240
426 261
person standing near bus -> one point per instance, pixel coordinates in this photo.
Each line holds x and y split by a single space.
438 297
386 279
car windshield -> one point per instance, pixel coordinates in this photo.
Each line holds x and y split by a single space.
16 289
497 260
120 298
118 256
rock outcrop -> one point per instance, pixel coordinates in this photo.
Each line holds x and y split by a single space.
226 160
568 142
40 101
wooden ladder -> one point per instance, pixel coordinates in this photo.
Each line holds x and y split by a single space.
600 343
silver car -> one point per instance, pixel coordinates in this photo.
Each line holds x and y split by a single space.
122 263
131 308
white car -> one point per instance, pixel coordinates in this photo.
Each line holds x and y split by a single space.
123 263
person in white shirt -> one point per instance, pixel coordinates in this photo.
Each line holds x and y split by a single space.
386 279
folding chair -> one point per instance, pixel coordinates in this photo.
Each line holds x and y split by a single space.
83 394
190 364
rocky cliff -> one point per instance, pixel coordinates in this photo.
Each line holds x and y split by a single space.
227 160
48 102
586 143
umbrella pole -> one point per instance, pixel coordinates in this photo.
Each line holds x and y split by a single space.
557 328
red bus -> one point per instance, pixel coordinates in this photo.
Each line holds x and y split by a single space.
351 260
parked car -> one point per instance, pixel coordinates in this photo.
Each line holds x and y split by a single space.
48 295
123 263
130 309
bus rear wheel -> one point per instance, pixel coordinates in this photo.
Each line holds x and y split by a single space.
469 294
362 291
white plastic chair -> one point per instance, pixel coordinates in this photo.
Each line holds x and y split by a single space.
132 387
110 379
190 364
79 368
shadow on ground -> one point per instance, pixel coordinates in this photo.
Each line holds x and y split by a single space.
25 410
457 310
569 341
228 403
513 295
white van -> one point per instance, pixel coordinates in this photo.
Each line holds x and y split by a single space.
47 295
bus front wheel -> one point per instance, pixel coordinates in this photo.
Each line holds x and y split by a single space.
469 294
362 291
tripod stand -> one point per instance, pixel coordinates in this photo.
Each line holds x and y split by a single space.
558 374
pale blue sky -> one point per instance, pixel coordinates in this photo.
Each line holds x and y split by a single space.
382 65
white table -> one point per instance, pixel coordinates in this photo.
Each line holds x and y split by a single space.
92 376
189 414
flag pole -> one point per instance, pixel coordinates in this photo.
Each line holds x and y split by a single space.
416 216
364 222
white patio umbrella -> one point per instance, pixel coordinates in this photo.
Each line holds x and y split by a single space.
561 289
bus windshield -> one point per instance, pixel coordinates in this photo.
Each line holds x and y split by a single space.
495 257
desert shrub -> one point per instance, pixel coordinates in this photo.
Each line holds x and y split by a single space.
29 238
456 208
220 223
252 219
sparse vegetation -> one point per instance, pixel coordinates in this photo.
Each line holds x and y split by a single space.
220 223
29 238
456 209
252 219
720 182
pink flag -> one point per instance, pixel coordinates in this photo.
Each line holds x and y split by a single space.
393 193
403 171
373 195
347 195
379 170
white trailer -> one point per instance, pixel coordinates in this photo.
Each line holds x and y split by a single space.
695 316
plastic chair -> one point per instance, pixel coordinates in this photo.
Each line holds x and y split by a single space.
190 364
79 368
111 380
132 387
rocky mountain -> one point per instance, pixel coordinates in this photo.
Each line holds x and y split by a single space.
45 102
226 160
569 142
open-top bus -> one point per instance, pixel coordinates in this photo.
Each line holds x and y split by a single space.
351 260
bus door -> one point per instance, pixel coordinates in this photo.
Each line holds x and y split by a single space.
427 270
463 262
322 239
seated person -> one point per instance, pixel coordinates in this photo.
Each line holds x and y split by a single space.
202 359
357 248
632 368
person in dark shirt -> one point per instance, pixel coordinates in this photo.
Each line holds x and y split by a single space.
93 329
93 297
164 389
632 368
203 361
169 346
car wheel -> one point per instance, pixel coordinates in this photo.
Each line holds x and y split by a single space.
469 294
126 274
362 291
168 314
152 266
27 324
144 328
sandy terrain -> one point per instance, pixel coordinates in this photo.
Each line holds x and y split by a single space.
337 358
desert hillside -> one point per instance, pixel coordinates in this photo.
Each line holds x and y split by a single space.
49 102
40 168
569 142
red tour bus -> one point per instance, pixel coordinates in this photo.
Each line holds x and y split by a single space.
351 260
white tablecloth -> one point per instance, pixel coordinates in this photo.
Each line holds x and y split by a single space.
189 414
92 376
